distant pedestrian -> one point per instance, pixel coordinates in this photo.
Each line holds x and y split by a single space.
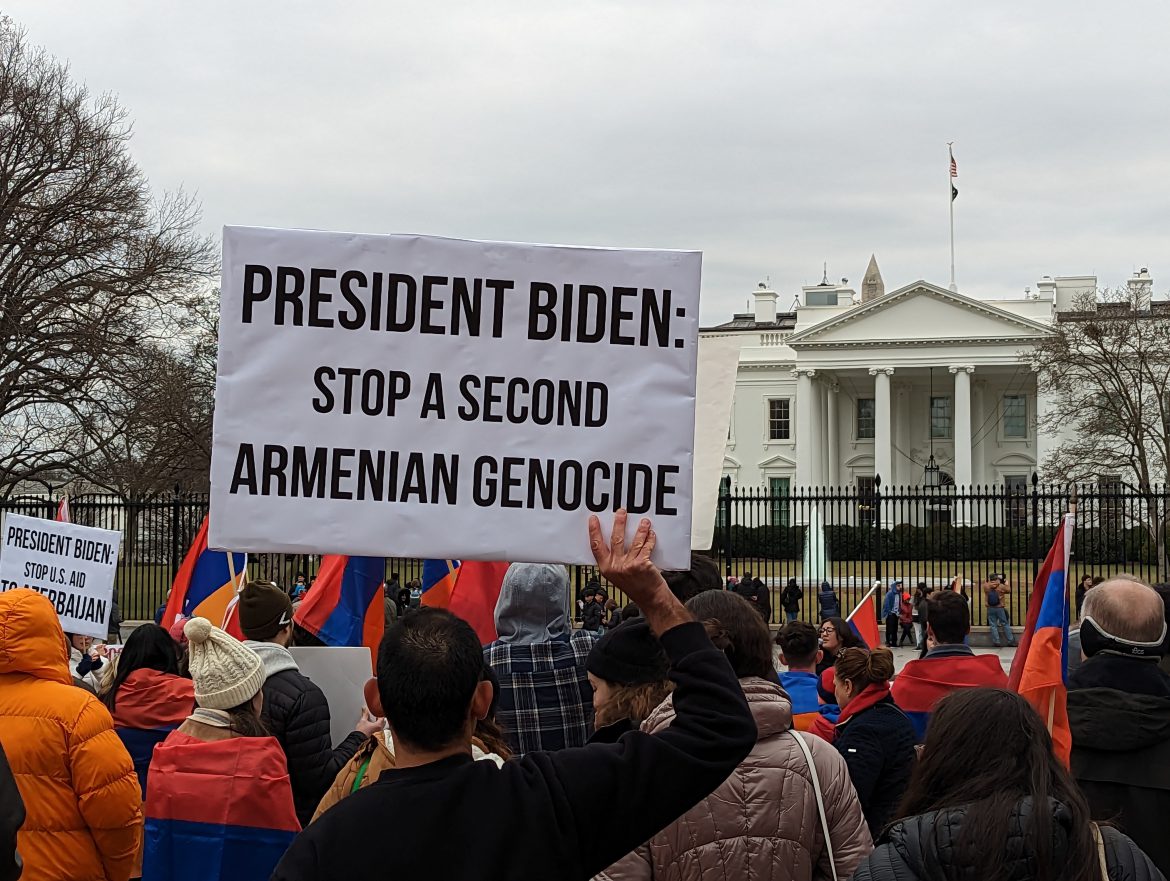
996 592
790 600
827 603
921 615
1083 587
906 619
890 609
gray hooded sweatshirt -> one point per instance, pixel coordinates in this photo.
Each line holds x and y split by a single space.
545 700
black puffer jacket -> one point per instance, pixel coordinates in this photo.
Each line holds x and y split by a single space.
878 746
925 847
297 714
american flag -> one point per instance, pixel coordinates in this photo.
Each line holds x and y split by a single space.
954 167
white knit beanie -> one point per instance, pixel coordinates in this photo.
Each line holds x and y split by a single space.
226 672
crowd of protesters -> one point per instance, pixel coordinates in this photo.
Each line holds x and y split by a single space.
670 739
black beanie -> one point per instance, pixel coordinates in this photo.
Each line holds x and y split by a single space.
628 655
264 610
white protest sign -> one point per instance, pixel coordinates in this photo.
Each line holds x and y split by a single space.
74 566
341 673
718 365
428 397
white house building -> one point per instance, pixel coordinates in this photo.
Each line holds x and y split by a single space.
842 388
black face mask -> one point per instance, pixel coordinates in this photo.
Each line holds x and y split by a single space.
1095 640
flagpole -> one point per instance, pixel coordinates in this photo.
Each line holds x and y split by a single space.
951 204
862 601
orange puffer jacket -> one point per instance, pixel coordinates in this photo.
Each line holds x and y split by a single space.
75 777
762 823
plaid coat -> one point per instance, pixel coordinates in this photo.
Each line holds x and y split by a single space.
546 701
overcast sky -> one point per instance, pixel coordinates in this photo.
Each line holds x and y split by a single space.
771 135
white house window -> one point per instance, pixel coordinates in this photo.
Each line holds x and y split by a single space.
866 503
1015 416
866 421
1111 504
940 418
779 419
1016 501
779 487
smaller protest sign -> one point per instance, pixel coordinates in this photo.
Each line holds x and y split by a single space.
341 672
74 566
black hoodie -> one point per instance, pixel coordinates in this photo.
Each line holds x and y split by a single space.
1119 713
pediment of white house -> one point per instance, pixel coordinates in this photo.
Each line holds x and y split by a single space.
920 313
777 463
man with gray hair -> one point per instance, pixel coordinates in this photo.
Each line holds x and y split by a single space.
1119 712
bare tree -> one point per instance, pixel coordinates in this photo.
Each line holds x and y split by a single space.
1106 372
90 263
152 431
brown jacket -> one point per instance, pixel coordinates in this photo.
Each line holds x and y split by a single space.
762 822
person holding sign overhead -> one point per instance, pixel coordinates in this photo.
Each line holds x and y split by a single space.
532 817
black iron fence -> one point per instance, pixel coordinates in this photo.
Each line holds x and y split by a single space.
156 534
851 537
856 536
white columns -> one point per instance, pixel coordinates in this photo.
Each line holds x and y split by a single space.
903 437
832 424
962 425
883 445
817 449
979 423
804 427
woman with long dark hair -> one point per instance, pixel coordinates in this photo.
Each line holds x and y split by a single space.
836 635
1005 810
148 698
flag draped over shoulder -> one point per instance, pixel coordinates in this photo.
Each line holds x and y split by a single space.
1041 662
925 681
345 605
863 621
204 585
468 589
217 810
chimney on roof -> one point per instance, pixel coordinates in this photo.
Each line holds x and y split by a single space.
1141 289
765 304
872 285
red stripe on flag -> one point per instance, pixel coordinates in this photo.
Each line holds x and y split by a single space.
178 595
865 624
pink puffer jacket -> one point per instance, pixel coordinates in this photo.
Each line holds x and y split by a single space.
762 823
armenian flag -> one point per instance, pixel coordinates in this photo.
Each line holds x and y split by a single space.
221 809
150 705
1041 662
345 605
468 589
205 583
865 624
